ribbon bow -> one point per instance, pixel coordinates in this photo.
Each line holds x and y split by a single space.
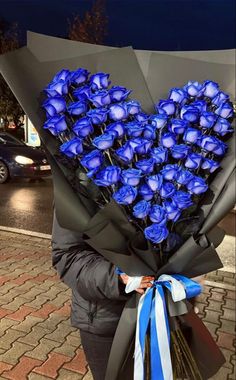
152 309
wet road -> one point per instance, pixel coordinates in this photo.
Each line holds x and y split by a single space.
27 205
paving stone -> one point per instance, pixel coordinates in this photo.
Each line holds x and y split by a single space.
15 304
6 324
9 337
51 366
36 376
13 355
74 341
78 363
4 367
206 289
214 305
60 300
229 304
66 349
34 336
6 287
45 310
60 333
227 326
37 302
27 324
88 376
22 369
216 296
230 294
42 350
20 314
226 274
51 322
64 374
227 354
212 316
229 315
225 340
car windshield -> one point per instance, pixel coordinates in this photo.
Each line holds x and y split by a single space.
6 139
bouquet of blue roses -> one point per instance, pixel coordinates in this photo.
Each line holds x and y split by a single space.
155 183
157 168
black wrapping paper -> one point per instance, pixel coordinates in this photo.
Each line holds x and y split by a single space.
27 76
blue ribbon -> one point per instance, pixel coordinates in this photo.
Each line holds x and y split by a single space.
152 309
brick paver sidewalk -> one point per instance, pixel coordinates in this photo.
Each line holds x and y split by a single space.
36 339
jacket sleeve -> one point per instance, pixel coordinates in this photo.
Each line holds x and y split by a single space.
82 268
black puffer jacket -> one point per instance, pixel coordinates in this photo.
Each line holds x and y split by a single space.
98 296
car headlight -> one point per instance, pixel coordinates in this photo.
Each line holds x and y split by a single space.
23 160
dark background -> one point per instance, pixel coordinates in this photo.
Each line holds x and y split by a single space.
146 24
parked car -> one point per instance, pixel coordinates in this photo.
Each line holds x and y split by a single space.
19 160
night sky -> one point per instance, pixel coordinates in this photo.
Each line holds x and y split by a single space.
144 24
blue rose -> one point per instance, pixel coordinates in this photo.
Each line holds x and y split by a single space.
133 107
209 143
155 182
189 113
104 141
125 153
182 199
156 233
57 88
192 135
125 195
142 117
207 119
100 99
184 177
141 209
134 129
211 89
98 116
145 192
210 165
82 93
158 120
178 126
220 98
225 110
92 160
56 124
201 105
79 76
222 127
63 74
166 105
99 81
220 149
131 177
168 140
193 161
170 172
146 166
157 214
108 176
54 105
83 127
118 112
172 211
179 151
77 108
117 128
141 145
159 154
149 132
197 185
193 88
72 147
178 95
167 190
118 93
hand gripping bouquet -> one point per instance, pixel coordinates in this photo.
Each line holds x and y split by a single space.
146 187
